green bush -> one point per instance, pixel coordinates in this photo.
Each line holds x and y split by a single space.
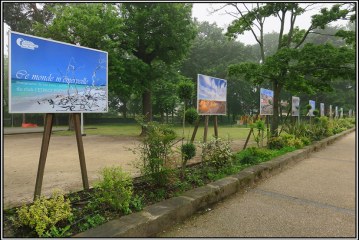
188 150
253 155
285 140
191 115
305 140
155 153
217 153
114 189
44 213
342 124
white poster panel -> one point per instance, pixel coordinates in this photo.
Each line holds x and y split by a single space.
322 110
211 95
311 103
47 76
266 102
295 106
336 112
330 111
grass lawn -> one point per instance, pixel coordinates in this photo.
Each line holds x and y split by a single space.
134 130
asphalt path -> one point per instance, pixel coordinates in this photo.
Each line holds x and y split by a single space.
314 198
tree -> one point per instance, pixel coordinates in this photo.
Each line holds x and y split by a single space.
309 68
156 32
22 16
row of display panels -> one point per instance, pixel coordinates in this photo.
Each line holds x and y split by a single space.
47 76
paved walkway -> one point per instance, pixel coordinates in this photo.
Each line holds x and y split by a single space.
314 198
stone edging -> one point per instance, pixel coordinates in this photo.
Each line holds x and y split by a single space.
157 217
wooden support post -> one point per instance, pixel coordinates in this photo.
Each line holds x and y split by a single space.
43 153
267 129
206 119
250 132
195 129
80 147
216 126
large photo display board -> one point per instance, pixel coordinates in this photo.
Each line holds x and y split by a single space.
47 76
211 95
266 102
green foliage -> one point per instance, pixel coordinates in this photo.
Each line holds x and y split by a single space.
308 107
191 115
309 69
316 112
188 150
137 203
185 89
342 124
44 213
56 232
251 156
217 153
155 152
115 189
259 126
91 222
285 140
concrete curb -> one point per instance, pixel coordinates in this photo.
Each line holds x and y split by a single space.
157 217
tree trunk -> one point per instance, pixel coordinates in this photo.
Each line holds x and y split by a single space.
276 99
146 109
124 110
162 116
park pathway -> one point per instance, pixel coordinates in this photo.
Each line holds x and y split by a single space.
314 198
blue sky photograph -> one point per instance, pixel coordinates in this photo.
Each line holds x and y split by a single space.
36 56
210 88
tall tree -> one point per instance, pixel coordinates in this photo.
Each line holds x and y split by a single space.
156 32
21 16
295 67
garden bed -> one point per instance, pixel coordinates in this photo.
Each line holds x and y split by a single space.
88 212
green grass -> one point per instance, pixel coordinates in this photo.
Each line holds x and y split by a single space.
134 130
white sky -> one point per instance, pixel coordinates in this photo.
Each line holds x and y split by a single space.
202 11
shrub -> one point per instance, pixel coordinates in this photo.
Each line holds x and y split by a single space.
191 115
217 153
44 213
284 140
305 140
188 150
155 153
253 155
115 189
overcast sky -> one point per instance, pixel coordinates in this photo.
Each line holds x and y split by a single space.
202 11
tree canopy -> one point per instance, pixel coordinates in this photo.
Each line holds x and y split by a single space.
292 66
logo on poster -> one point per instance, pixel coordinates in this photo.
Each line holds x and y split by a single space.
26 44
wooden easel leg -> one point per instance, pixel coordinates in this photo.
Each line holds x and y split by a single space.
80 147
206 120
267 129
216 126
195 129
250 132
43 153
